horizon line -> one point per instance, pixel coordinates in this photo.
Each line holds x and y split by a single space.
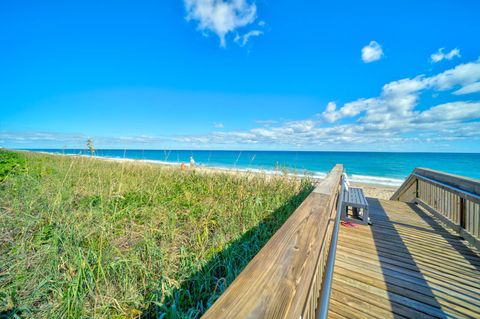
238 150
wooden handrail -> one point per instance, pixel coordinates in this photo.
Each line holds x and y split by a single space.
327 281
464 186
455 200
462 193
283 280
407 183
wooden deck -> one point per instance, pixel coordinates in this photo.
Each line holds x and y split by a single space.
404 266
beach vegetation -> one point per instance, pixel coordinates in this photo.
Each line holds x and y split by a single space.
90 146
82 237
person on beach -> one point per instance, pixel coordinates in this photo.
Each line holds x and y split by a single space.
192 162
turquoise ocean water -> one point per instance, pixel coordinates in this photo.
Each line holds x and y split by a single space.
368 167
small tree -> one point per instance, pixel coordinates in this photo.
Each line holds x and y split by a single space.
90 146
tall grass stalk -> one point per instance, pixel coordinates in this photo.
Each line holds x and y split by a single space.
82 237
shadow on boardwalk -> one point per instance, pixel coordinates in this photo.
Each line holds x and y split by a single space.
408 290
202 289
455 241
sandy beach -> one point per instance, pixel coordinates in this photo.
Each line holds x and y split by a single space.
377 191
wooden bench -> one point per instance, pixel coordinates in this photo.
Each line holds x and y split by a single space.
354 198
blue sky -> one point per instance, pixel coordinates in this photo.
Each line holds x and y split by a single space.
212 74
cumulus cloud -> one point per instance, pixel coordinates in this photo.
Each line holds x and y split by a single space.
398 99
350 109
392 117
222 16
372 52
454 111
461 75
440 55
218 125
468 89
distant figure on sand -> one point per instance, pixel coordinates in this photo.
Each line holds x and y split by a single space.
192 162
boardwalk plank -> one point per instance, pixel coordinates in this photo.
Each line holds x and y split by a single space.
407 264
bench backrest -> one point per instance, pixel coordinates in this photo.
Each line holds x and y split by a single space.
345 181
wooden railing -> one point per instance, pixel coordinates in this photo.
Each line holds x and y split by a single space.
284 279
454 199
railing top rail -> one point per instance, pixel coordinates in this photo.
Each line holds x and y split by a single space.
277 281
463 183
460 192
463 186
322 311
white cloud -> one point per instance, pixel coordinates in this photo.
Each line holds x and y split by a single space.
331 107
243 39
350 109
454 111
399 98
467 89
39 137
221 16
75 140
440 55
463 75
372 52
218 125
391 118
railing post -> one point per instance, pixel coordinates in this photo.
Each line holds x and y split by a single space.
462 213
453 199
416 188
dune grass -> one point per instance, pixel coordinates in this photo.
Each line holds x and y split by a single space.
82 237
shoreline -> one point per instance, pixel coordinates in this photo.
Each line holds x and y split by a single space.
371 189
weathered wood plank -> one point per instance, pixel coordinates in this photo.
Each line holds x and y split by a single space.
442 291
358 308
453 266
427 297
464 183
406 264
277 282
377 298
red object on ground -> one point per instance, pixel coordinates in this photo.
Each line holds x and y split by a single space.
348 224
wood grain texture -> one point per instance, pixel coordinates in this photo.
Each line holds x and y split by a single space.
455 199
278 281
405 265
468 188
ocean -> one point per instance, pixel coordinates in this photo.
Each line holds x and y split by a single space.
368 167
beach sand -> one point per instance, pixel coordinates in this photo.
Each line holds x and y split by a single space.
376 191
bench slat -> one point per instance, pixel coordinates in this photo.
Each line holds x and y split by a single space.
355 197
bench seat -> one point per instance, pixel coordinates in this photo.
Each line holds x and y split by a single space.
355 198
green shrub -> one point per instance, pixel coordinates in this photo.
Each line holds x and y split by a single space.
10 163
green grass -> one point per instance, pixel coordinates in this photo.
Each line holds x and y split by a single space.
82 237
10 164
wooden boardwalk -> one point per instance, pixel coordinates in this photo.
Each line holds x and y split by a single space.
404 266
